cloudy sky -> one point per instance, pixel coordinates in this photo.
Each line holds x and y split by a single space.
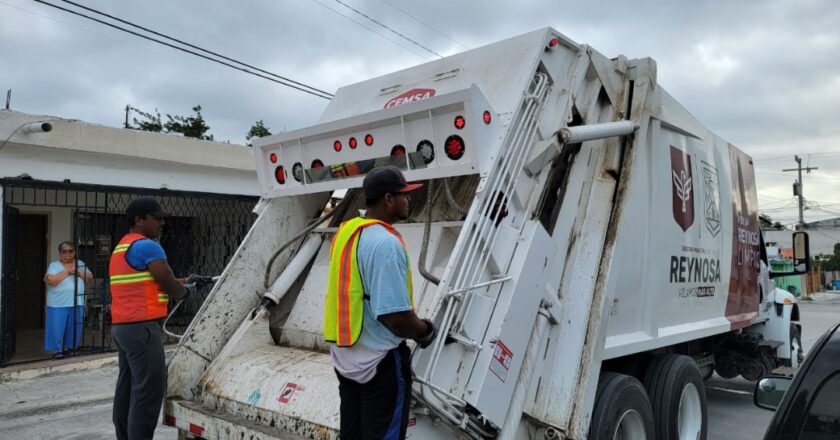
764 74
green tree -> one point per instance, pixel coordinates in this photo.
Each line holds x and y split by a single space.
257 130
150 122
190 126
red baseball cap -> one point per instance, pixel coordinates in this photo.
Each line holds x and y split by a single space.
386 180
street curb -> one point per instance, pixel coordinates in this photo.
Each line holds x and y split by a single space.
52 366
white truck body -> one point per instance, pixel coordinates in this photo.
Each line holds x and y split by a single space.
604 224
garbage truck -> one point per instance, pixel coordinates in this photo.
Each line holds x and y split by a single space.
587 249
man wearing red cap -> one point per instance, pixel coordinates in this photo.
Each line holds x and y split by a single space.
369 312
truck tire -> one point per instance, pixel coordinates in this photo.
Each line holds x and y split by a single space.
622 410
678 398
797 354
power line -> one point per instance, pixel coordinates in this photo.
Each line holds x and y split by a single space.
310 90
388 28
424 24
372 31
197 48
280 92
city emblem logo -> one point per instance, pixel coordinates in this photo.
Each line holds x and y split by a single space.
711 198
682 189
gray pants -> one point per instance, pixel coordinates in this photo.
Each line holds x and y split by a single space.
141 383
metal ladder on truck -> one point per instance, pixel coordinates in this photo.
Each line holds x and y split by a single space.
467 274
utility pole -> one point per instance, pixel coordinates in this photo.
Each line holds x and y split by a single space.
127 108
797 188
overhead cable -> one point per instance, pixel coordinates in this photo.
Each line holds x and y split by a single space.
424 24
323 5
283 81
388 28
196 47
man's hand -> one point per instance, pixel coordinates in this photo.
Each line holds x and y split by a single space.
427 339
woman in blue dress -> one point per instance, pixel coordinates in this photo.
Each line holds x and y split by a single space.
63 278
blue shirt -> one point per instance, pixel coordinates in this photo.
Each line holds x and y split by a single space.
143 252
61 295
383 266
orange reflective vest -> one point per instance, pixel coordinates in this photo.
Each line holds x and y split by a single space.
135 295
343 313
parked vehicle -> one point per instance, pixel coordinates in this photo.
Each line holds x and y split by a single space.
807 405
589 249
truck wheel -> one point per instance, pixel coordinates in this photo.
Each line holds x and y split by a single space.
622 410
678 398
797 354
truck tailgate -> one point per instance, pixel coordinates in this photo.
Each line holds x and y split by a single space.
289 389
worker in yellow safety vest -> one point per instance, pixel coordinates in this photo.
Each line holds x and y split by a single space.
370 313
141 283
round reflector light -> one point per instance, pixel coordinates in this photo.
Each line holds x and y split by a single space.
317 164
273 158
487 117
337 145
352 143
460 122
297 171
280 174
426 148
454 147
398 150
554 42
368 139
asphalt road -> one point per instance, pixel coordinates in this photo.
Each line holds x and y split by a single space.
77 405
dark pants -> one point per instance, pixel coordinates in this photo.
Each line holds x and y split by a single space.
142 380
378 410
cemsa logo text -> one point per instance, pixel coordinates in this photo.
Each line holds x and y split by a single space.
410 96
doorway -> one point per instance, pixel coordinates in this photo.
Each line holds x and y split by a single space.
29 294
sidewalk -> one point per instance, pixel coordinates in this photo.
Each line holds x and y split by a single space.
31 370
821 296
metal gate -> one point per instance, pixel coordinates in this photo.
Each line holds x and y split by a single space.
200 238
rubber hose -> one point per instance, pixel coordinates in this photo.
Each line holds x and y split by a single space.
426 231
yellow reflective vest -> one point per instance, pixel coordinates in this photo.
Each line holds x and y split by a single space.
343 313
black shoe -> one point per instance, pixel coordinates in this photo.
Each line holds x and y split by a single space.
58 355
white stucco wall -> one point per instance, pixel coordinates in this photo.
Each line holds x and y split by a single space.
88 153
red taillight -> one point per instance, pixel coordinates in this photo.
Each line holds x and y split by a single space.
554 42
273 158
280 175
398 150
297 171
487 117
337 145
197 430
454 147
460 122
317 164
352 143
368 139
